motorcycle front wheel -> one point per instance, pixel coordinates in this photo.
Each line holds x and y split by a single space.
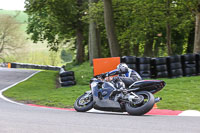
145 106
84 103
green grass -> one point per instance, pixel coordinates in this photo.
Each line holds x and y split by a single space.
41 88
178 94
181 94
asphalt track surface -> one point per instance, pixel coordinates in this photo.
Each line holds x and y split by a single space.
16 118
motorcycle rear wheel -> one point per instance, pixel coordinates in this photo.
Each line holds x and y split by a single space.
84 103
145 107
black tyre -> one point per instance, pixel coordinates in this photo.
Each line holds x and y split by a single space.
43 67
190 64
132 66
68 83
145 106
176 72
198 64
128 59
144 60
13 65
162 74
84 103
161 68
160 60
67 78
173 59
198 70
144 67
190 71
175 66
189 57
145 74
67 73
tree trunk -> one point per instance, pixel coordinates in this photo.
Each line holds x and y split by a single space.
168 30
79 46
156 47
169 47
109 24
190 44
94 39
197 33
79 36
136 49
148 48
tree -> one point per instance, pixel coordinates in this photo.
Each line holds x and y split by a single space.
168 27
194 8
11 39
110 28
56 22
94 35
197 29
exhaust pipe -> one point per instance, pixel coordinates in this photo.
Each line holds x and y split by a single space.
157 99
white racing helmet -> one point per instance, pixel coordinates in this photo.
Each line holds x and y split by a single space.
122 67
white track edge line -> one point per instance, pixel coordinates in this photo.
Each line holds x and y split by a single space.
7 99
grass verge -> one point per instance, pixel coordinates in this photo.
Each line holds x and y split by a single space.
179 93
41 88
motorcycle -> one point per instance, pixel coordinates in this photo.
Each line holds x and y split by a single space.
120 95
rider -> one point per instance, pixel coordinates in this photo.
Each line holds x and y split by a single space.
125 74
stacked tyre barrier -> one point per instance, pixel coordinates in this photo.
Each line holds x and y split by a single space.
174 66
34 66
198 64
144 67
130 61
3 64
163 67
159 67
189 64
67 78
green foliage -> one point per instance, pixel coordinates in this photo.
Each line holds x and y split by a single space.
52 20
83 72
66 56
137 23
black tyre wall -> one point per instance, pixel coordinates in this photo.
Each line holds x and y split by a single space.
144 60
67 73
67 78
144 67
162 74
189 64
174 66
68 83
132 66
128 59
198 64
160 60
190 71
159 67
175 73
